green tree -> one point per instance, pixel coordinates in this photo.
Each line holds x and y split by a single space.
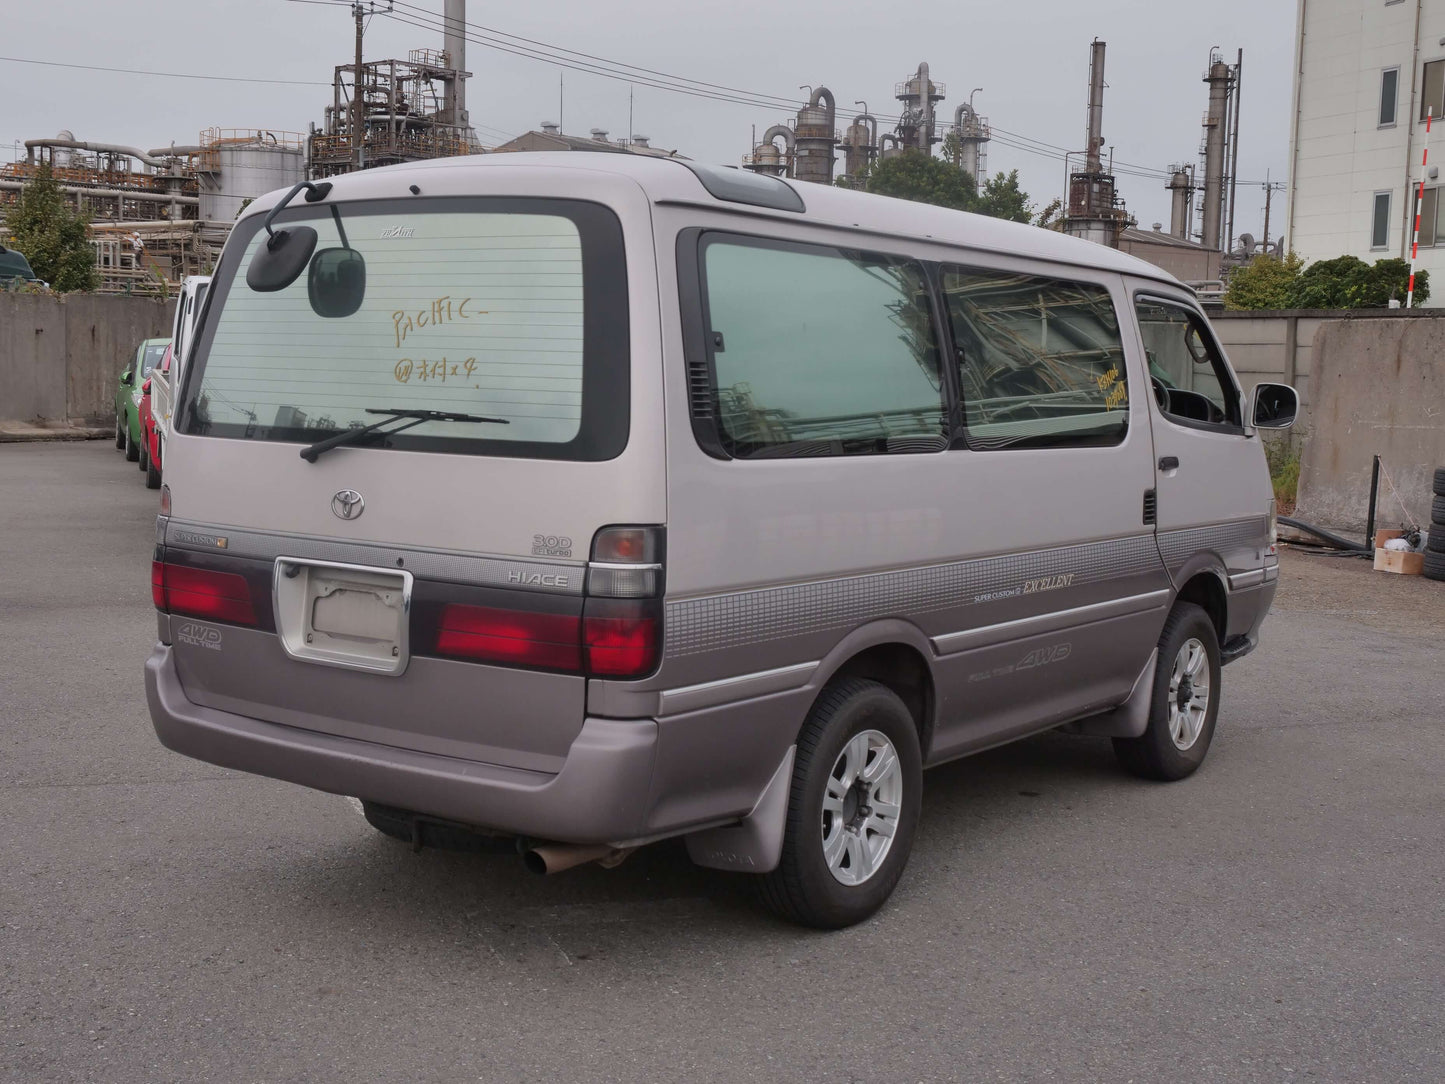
1003 198
1348 282
52 236
1052 216
922 178
1266 282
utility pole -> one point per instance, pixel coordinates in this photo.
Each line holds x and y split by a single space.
1269 189
358 149
1234 149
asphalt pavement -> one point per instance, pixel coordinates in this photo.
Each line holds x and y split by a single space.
1278 917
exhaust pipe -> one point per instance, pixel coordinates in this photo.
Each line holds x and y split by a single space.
555 857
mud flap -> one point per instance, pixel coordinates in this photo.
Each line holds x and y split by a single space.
755 845
1131 718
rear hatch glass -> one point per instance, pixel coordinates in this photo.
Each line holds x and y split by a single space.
152 357
510 309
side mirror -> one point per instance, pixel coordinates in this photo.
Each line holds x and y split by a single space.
336 283
279 262
145 388
127 378
1274 406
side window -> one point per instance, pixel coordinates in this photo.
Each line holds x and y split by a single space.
1191 380
1040 360
820 351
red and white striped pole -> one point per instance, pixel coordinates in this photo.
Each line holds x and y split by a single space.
1419 205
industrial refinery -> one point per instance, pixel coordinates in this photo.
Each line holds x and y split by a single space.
160 214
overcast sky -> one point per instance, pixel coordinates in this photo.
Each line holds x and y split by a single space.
1030 58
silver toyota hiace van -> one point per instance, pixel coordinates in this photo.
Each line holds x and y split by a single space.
589 499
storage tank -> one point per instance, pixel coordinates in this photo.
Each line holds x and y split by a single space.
236 168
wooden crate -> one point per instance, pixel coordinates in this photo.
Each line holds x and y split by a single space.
1402 562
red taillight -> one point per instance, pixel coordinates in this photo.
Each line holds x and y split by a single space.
512 637
199 592
622 646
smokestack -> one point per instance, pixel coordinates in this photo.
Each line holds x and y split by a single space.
1096 106
1179 187
454 41
1221 81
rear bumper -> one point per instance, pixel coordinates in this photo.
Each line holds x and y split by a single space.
602 794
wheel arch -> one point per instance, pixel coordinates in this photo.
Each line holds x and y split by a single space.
1203 582
894 653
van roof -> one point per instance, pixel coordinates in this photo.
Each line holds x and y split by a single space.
667 180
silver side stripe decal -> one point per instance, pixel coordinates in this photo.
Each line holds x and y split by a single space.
1050 622
716 622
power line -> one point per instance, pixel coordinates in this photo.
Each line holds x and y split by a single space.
603 71
617 64
166 75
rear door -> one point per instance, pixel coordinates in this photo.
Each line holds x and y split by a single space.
531 308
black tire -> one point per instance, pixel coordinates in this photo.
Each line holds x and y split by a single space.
1435 541
153 476
1155 754
120 430
1437 511
132 449
1440 482
803 889
410 828
1434 568
143 460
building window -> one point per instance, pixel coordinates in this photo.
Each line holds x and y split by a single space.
1389 96
1380 226
1429 217
1432 97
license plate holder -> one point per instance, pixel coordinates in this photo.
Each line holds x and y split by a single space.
352 616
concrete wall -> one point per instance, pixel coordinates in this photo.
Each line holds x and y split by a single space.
60 355
1270 347
1379 389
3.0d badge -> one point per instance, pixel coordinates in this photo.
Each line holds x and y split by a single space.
348 504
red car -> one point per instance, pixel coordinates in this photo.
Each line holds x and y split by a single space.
150 452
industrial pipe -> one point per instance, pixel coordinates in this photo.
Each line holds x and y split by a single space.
111 193
869 121
79 145
175 152
780 130
555 857
824 94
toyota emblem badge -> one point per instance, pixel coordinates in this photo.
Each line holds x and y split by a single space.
347 504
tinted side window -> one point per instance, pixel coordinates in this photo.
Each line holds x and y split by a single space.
820 351
1040 360
1191 380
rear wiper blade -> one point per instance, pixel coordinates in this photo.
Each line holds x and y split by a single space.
393 414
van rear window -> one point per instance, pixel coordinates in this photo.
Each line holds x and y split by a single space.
512 309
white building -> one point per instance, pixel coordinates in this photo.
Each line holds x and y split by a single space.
1367 73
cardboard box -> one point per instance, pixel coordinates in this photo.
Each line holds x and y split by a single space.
1383 535
1402 562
